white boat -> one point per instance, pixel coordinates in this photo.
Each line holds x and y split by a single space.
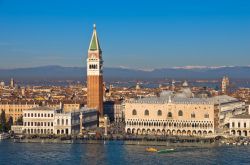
4 136
245 143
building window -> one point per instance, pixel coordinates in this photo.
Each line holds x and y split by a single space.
170 114
245 125
58 122
180 113
238 124
146 113
134 112
206 115
193 115
159 113
233 124
48 115
67 122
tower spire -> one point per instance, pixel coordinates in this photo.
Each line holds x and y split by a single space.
94 43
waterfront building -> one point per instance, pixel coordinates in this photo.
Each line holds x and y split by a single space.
119 107
229 107
89 118
95 75
114 110
225 85
39 120
68 123
175 114
239 125
47 120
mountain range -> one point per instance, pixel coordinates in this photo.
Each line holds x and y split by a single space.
78 73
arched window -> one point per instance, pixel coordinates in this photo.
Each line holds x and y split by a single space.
180 113
62 122
206 115
58 122
193 115
170 114
159 113
146 113
67 122
134 112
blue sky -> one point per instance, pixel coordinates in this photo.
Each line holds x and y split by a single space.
137 34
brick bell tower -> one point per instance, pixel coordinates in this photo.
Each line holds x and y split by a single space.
94 75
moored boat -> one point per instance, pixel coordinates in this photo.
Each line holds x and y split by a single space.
151 149
4 136
166 150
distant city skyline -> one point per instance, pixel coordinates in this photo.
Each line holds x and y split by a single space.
152 34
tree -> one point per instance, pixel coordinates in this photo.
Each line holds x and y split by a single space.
9 123
2 121
19 120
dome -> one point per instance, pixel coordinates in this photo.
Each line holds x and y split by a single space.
185 93
185 84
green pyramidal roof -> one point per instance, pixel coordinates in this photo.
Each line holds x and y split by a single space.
94 44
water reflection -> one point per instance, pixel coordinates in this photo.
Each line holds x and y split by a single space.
115 153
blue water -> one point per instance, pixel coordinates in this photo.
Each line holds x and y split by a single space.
116 154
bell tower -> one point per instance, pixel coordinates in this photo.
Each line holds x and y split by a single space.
95 75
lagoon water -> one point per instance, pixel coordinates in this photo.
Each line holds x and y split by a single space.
113 153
